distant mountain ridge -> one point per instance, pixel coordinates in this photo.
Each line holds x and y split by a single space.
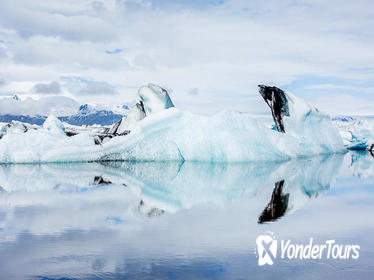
66 109
347 118
39 120
102 117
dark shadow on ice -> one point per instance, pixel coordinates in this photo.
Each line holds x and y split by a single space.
277 206
277 101
149 210
99 180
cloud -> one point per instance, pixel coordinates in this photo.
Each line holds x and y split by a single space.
343 104
342 87
51 88
3 52
219 47
193 91
97 89
54 19
42 106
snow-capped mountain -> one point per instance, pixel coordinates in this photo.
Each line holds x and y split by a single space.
66 109
96 114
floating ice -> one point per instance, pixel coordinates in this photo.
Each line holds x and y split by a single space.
155 98
169 134
357 133
53 125
130 121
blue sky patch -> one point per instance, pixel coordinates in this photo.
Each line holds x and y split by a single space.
114 220
308 86
113 51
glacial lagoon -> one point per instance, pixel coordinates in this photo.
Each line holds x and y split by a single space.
174 220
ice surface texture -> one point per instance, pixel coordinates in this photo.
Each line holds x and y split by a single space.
169 134
357 132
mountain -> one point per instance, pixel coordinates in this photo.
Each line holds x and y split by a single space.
39 120
90 116
66 109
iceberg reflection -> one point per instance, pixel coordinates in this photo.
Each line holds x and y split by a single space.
123 218
171 186
277 206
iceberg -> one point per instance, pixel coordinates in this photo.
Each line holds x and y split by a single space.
362 164
357 132
155 130
155 98
128 122
53 125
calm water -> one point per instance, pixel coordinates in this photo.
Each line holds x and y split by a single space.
183 221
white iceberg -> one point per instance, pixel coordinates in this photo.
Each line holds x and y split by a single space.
54 125
357 132
169 134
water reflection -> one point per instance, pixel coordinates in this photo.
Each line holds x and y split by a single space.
123 218
277 206
362 163
171 186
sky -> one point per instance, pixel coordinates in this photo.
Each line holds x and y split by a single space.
210 54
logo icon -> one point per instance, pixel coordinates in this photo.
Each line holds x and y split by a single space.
266 248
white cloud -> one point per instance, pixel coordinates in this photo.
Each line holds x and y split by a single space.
47 88
71 22
342 87
343 104
225 48
94 89
42 106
